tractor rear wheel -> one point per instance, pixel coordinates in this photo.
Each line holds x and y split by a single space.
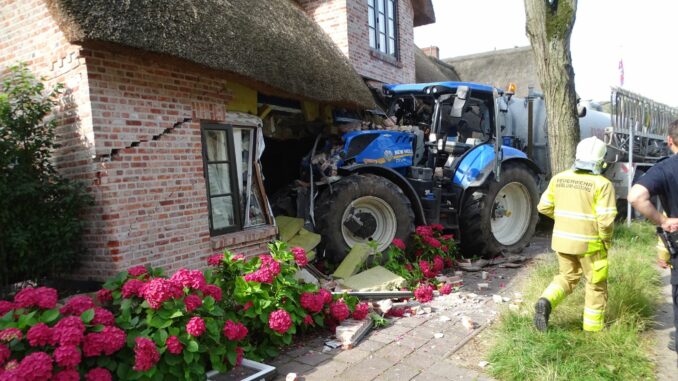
362 208
502 216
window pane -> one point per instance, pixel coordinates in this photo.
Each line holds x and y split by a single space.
382 42
220 182
256 213
382 5
222 212
370 17
382 24
217 149
370 3
390 8
391 31
391 46
373 39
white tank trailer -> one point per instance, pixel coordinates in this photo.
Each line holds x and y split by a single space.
635 133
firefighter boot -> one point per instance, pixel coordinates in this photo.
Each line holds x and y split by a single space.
542 310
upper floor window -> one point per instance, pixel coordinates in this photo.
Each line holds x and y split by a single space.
383 26
235 200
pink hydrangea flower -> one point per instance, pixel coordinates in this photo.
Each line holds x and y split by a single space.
312 302
445 289
77 305
174 346
280 321
268 270
104 296
397 242
300 256
137 271
9 334
408 267
437 227
189 278
361 311
432 242
5 307
425 268
40 335
424 231
103 316
41 297
308 320
11 365
108 341
132 288
4 354
99 374
424 293
67 356
235 331
447 237
212 290
327 296
247 306
438 263
339 310
35 366
159 290
69 331
215 260
67 375
146 355
192 302
196 326
449 262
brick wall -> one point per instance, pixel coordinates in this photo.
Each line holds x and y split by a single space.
130 129
345 21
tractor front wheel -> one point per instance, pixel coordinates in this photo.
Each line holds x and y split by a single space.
502 216
362 208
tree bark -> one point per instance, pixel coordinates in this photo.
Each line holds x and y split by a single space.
549 27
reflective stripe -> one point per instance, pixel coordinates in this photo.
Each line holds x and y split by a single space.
591 311
601 211
546 201
576 237
575 215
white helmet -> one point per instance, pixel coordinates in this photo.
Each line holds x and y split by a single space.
590 154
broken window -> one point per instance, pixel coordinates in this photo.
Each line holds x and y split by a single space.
383 26
233 186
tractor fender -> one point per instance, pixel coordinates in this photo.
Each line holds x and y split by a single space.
478 164
395 178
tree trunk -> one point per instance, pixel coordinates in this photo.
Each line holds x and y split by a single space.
549 27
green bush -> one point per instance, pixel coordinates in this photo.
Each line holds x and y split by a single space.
40 228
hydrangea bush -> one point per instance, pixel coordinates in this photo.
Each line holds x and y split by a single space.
40 341
271 303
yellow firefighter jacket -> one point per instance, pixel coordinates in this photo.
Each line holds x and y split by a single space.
583 207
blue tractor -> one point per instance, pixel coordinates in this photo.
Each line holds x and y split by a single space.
444 162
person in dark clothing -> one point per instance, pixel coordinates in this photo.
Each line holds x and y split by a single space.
662 180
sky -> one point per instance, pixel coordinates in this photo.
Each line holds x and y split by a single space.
605 31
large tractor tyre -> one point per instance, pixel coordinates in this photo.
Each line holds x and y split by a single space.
502 216
361 208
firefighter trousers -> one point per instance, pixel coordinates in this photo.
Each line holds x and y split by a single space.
594 267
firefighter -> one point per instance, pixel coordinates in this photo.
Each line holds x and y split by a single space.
582 203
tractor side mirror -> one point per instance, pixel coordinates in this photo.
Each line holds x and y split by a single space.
459 102
503 106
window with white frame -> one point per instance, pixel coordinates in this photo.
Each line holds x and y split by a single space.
383 26
235 198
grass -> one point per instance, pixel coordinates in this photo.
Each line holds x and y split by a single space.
565 352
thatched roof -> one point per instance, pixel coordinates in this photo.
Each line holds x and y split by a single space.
271 42
498 68
429 69
423 12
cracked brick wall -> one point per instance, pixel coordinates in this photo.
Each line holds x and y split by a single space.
129 126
